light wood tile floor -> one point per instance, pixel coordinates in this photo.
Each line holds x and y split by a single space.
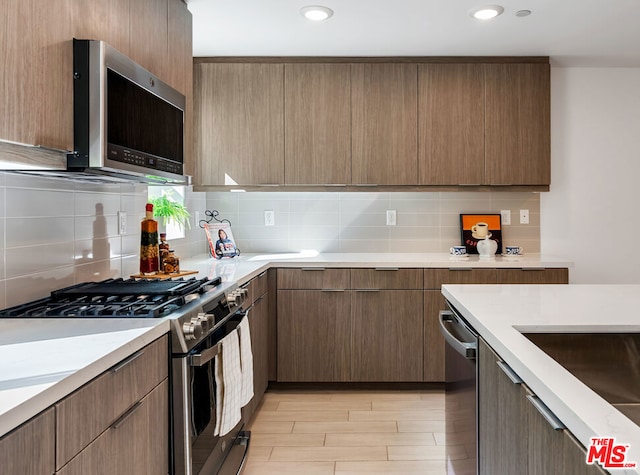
348 433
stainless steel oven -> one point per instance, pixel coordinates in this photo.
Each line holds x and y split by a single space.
197 449
200 313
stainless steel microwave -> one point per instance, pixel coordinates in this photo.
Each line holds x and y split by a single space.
127 122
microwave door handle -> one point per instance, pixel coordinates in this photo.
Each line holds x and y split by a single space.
466 349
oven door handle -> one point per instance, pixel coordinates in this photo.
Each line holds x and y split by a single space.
202 358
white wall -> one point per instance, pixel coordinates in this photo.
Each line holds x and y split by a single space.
591 215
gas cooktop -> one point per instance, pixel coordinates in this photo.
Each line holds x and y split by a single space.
115 298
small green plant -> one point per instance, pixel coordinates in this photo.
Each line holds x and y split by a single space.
169 210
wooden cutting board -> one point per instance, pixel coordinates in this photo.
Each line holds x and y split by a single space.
163 276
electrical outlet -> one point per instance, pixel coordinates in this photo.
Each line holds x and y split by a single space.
269 218
122 222
391 217
524 216
506 216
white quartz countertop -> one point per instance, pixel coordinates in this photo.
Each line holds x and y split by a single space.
500 313
42 361
242 268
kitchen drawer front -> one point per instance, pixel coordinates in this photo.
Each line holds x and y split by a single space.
533 276
89 411
313 278
30 449
137 442
260 285
434 278
387 278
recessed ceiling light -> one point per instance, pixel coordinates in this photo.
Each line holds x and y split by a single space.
486 12
316 12
523 13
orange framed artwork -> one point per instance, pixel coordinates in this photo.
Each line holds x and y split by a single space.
475 227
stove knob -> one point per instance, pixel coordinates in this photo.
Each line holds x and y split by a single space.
205 320
192 330
231 299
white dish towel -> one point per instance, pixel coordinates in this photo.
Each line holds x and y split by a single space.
228 375
246 361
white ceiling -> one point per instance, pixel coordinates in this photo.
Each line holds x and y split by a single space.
571 32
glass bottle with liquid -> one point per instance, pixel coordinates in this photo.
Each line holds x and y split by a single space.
149 251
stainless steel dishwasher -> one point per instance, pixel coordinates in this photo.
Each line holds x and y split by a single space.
461 393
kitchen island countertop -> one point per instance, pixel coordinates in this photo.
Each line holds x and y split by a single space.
42 361
501 313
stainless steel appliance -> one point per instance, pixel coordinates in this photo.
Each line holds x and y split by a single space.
461 393
201 313
127 122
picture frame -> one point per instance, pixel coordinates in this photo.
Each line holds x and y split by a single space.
471 233
221 242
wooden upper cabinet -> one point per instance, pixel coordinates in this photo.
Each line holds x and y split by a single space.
451 124
36 91
317 123
180 68
239 120
93 20
384 147
517 129
148 32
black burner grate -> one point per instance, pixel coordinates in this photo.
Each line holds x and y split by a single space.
113 298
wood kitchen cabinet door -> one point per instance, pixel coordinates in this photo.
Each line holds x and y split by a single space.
314 335
180 68
387 339
434 342
517 131
384 147
36 55
502 418
239 116
148 31
451 124
137 442
317 123
533 276
30 449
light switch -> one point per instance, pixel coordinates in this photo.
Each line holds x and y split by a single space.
506 217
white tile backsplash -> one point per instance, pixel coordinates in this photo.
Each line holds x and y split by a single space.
56 232
356 221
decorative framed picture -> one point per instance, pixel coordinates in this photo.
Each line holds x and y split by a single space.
220 238
475 227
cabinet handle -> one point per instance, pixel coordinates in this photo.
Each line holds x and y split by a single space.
331 290
367 290
126 361
387 268
312 268
126 415
263 274
258 300
460 269
533 269
545 412
511 374
469 184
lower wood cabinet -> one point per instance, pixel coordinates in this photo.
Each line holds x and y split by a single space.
514 437
30 449
387 340
259 329
533 276
314 335
85 414
137 442
502 425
